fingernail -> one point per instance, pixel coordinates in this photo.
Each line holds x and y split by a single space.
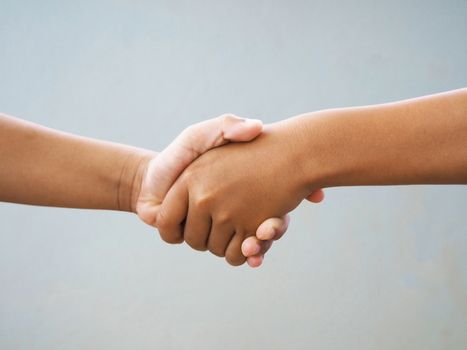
252 121
256 249
261 234
260 262
272 232
256 261
245 122
267 234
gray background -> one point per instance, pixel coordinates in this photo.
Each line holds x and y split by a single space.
370 268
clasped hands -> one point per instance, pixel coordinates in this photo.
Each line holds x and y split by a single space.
224 185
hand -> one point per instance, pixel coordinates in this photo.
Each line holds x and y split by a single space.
254 247
231 190
163 169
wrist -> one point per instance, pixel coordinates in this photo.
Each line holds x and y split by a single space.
132 174
294 140
324 154
346 147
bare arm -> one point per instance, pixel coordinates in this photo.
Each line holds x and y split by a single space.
417 141
42 166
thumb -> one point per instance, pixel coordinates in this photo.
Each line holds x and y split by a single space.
240 129
201 137
196 140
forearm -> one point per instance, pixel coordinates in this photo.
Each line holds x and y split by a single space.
42 166
418 141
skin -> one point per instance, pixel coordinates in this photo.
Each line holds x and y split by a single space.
41 166
227 192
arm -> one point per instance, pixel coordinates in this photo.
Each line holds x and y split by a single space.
422 140
418 141
42 166
415 141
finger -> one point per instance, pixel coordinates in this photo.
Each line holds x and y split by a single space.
233 254
273 228
197 227
216 132
171 214
240 129
316 196
196 140
252 246
220 237
255 261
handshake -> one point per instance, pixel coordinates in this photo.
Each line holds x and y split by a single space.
223 185
226 184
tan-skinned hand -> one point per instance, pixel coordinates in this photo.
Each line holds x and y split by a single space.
164 168
225 195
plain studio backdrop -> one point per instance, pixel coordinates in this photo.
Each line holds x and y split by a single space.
370 268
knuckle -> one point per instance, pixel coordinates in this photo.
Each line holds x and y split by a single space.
203 202
223 218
